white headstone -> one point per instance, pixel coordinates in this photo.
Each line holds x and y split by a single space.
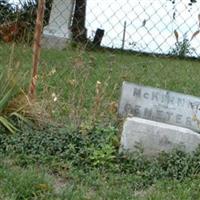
155 137
57 32
160 105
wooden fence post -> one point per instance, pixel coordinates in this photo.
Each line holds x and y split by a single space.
37 47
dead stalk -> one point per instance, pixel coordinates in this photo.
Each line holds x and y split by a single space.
37 46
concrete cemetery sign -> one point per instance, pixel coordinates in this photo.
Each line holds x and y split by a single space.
160 105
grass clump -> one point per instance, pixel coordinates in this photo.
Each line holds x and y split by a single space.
172 189
15 104
10 88
21 184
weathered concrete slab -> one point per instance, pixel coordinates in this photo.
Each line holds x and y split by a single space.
57 32
53 42
160 105
155 137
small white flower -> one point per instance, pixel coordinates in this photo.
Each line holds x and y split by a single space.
98 83
52 72
54 97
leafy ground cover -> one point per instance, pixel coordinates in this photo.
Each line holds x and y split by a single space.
57 164
75 154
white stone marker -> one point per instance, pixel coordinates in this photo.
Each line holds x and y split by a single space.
160 105
57 32
155 137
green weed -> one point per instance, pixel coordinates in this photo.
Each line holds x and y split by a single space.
23 184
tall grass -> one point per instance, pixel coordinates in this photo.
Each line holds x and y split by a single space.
10 86
76 85
14 101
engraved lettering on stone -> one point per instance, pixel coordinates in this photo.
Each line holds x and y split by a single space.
169 115
178 118
137 111
155 96
128 109
180 102
160 105
159 115
137 92
146 95
188 122
148 113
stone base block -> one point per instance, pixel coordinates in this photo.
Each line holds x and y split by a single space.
53 42
155 137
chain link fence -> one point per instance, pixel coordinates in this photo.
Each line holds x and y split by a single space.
156 27
89 47
159 26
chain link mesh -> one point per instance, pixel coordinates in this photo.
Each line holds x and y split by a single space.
156 27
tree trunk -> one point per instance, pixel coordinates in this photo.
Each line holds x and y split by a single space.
78 24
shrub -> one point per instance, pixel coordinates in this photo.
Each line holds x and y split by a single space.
182 48
6 11
22 19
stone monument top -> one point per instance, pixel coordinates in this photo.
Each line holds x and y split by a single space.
160 105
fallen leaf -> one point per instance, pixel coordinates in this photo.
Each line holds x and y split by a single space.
195 34
176 35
